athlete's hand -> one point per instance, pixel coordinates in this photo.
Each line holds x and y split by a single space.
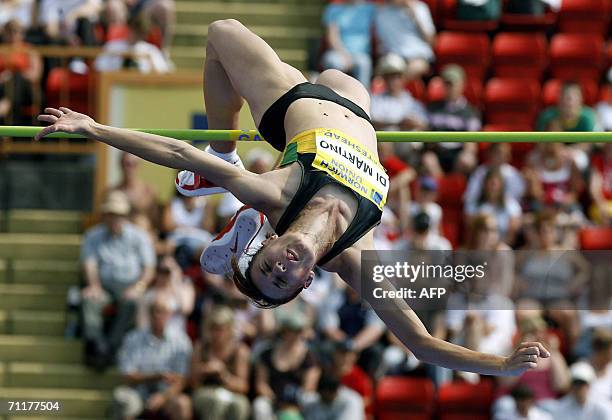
525 357
64 120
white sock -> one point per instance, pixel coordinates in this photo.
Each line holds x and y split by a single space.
231 157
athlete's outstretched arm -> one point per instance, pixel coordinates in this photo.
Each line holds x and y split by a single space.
408 328
248 187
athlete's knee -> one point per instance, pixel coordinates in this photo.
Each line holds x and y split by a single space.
223 27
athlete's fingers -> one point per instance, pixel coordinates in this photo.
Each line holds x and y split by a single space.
528 358
47 130
47 118
54 111
65 110
542 350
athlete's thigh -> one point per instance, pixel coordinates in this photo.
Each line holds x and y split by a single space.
253 67
346 86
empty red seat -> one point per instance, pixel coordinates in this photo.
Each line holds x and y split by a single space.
513 101
596 238
400 398
576 56
465 401
552 90
450 190
65 88
470 51
584 16
436 91
519 55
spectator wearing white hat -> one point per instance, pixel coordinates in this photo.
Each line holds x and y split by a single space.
577 405
395 108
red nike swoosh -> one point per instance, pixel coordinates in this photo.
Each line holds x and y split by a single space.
235 245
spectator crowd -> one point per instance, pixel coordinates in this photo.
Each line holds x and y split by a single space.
188 345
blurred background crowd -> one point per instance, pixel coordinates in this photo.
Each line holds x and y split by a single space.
187 343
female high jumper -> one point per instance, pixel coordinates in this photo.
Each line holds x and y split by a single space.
323 200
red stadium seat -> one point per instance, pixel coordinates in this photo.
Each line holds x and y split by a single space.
470 51
436 90
597 238
576 56
513 101
519 55
65 88
552 89
450 190
584 17
465 401
451 23
404 398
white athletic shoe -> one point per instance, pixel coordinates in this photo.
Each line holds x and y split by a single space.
246 230
192 185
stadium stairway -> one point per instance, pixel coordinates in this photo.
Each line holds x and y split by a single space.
289 26
38 263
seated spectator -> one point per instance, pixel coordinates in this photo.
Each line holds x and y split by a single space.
454 113
143 198
549 379
187 223
570 114
344 365
498 156
114 21
348 34
335 401
154 363
423 237
220 370
604 108
405 28
601 361
425 201
395 109
20 71
553 179
118 263
346 318
495 201
19 10
547 274
479 9
286 375
524 407
484 236
70 22
145 57
600 186
161 13
577 405
175 288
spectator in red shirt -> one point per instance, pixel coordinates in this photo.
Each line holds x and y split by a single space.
600 186
352 376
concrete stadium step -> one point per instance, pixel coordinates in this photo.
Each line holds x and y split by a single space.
4 324
40 323
193 57
279 37
73 402
43 375
249 13
41 246
28 348
52 272
44 221
31 296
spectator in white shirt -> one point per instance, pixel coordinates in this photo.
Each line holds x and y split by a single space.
423 237
395 108
577 405
524 407
405 27
425 201
146 57
604 108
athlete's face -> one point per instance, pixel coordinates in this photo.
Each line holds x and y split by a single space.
283 266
